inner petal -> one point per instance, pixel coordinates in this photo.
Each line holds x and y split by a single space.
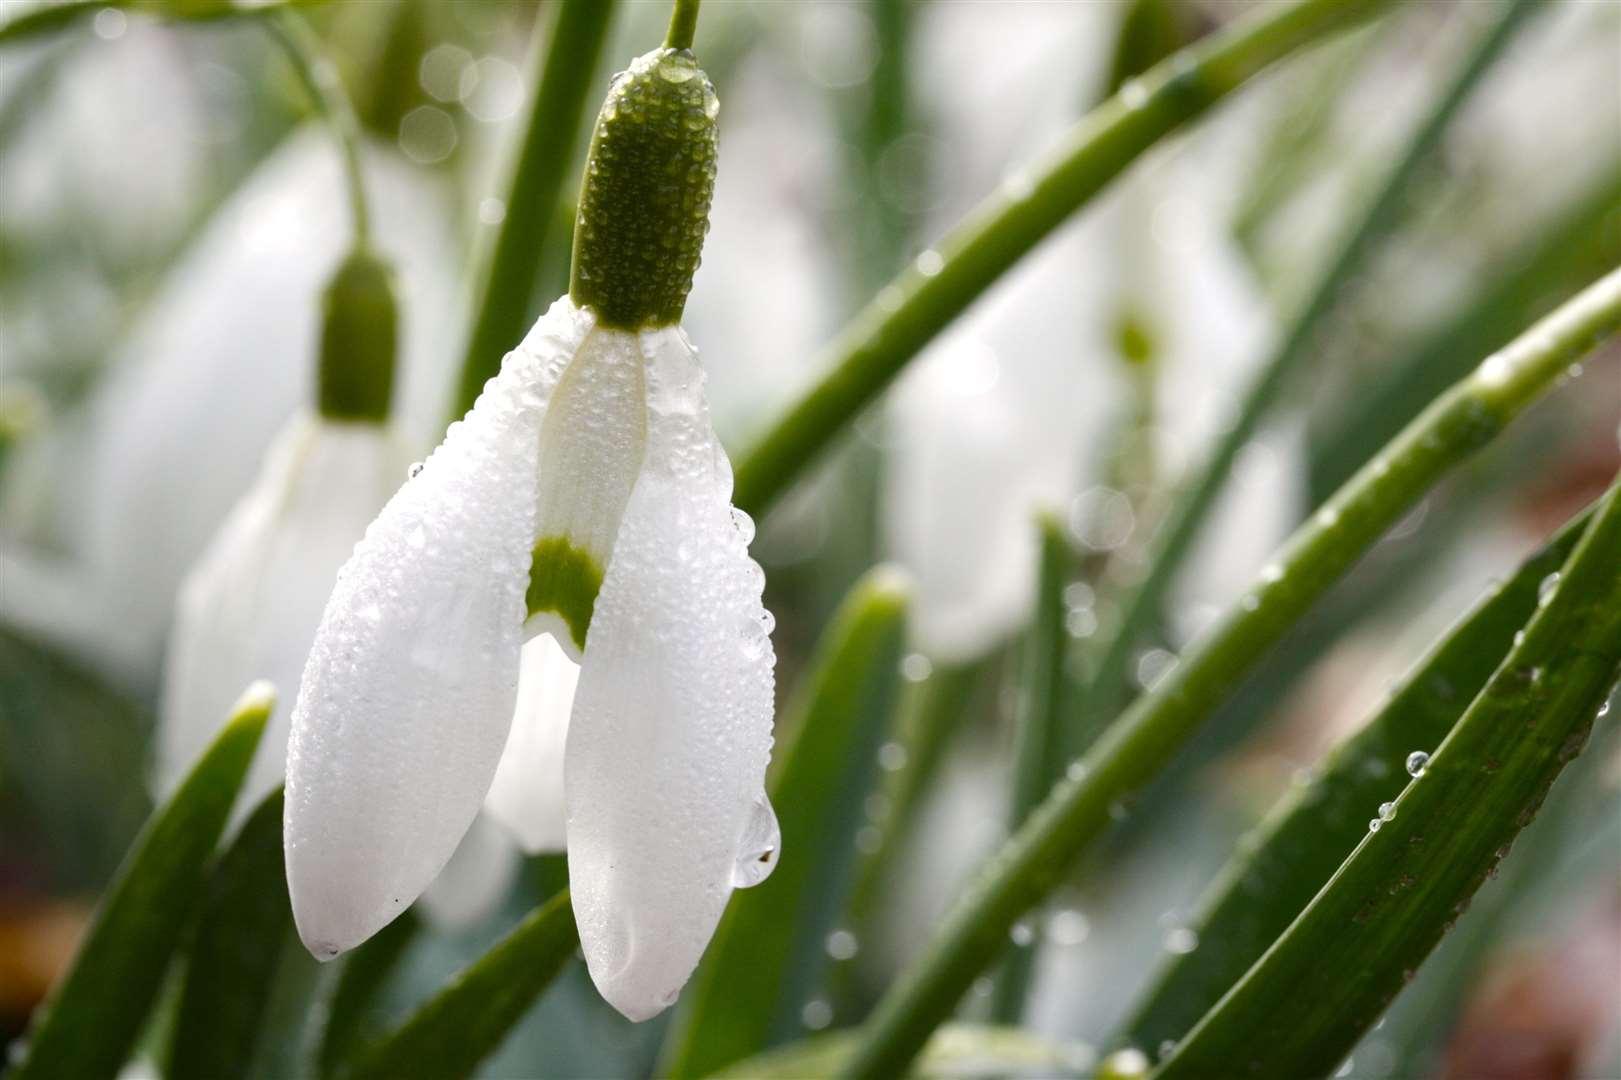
591 448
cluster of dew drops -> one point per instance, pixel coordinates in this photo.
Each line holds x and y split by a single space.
1417 762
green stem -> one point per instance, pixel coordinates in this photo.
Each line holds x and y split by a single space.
1134 749
1187 515
319 77
919 303
566 65
683 25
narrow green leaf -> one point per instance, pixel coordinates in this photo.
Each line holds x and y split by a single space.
1184 521
564 65
956 1050
1307 836
754 972
85 1029
1137 746
466 1021
1329 978
242 930
50 17
926 297
1038 720
365 971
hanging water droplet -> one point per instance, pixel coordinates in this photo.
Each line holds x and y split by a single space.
413 470
1603 710
1373 826
758 847
744 525
1546 589
1417 762
1387 811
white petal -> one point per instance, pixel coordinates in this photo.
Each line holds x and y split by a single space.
250 607
475 880
409 690
671 732
527 793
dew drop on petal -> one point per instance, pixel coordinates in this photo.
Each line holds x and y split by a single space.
757 851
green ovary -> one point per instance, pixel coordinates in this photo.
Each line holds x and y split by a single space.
564 579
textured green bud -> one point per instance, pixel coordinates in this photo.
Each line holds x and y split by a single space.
359 321
644 203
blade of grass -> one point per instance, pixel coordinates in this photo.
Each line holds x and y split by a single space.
1580 238
242 929
365 972
1136 747
90 1021
754 972
1329 978
1307 836
919 303
52 17
1109 690
465 1022
557 116
1038 720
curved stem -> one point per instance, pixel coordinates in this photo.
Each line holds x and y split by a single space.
1136 747
919 303
319 77
567 62
1187 515
683 24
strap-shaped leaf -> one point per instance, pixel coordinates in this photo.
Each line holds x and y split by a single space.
466 1021
242 933
1329 978
1309 833
365 971
771 937
85 1029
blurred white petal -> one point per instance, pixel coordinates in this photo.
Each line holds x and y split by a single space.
250 607
409 691
526 795
671 734
475 880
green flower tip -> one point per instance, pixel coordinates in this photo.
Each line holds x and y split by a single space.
359 323
644 202
564 581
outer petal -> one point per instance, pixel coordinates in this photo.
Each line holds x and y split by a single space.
527 793
671 731
409 689
250 607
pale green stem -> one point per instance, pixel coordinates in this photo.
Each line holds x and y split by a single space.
1131 752
683 25
1187 516
919 303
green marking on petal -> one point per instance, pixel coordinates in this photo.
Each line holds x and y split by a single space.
564 579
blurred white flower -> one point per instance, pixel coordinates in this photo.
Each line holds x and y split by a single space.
588 464
250 607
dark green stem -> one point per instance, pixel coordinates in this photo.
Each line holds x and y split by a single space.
1187 516
1138 746
922 301
556 115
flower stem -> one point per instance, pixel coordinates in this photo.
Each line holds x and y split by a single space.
1135 748
567 63
683 24
1187 515
919 303
320 80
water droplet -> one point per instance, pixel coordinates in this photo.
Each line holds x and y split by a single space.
930 263
1078 594
1102 518
1076 772
915 667
1417 762
869 838
1546 589
1068 927
1167 1047
817 1014
757 850
1373 826
1603 710
744 525
1387 811
1153 667
1022 934
1127 1064
1181 940
892 757
1271 573
1134 95
842 945
414 471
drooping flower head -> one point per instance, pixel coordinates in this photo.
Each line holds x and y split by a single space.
575 527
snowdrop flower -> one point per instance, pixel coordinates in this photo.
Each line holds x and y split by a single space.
583 506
